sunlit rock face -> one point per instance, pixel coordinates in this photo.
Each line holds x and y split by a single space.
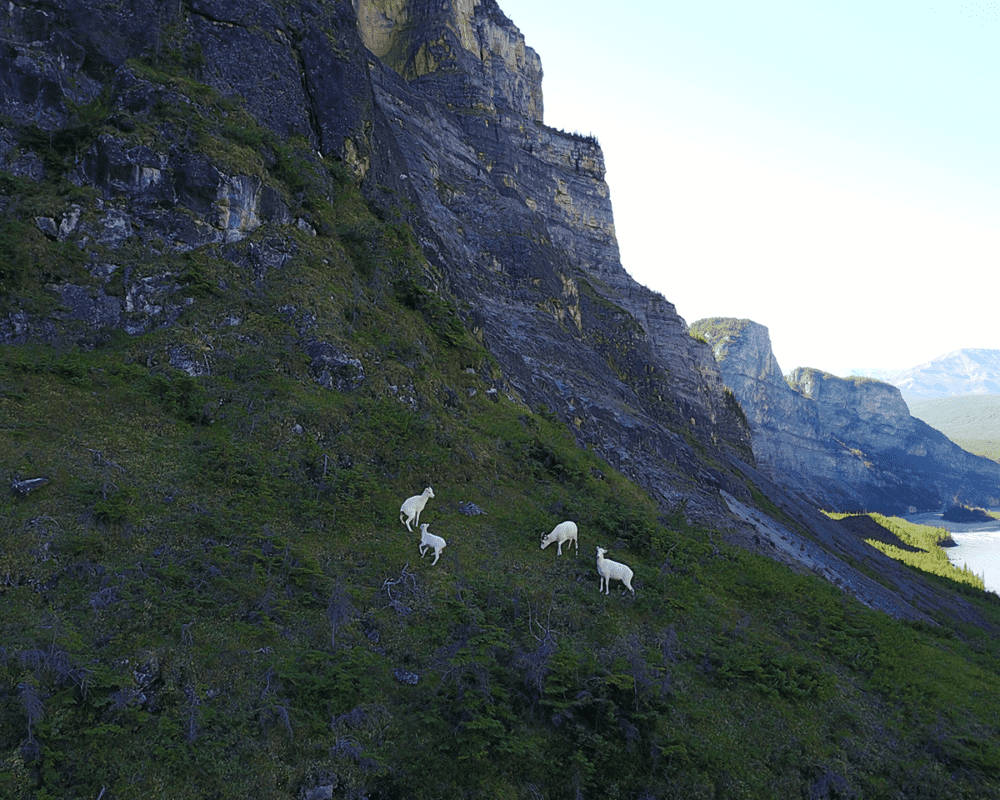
484 55
849 442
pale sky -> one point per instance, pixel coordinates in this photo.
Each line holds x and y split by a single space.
827 168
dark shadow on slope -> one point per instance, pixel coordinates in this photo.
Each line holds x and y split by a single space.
864 527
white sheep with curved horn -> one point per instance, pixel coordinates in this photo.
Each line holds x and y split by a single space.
612 571
412 506
563 532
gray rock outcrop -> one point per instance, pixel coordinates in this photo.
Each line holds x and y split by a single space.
849 443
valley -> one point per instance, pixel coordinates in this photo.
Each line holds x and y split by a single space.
971 421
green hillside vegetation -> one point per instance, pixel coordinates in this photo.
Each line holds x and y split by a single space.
971 422
213 596
930 555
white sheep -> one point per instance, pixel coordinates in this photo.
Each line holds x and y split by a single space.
431 541
412 506
563 532
612 571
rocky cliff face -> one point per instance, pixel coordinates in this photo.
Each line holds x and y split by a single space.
851 443
518 217
436 111
466 52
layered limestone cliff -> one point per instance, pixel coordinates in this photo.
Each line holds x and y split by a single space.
436 110
849 443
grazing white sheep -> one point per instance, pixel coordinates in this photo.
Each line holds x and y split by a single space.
563 532
412 506
430 541
612 571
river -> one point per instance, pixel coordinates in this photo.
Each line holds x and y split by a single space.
978 545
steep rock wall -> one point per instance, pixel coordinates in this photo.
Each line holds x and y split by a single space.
487 63
786 431
849 443
518 218
299 67
439 119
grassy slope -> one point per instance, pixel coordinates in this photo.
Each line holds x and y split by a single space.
208 601
972 422
270 607
921 548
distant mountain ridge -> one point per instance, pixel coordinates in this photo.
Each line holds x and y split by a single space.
969 371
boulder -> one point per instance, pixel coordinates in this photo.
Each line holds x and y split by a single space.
333 369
